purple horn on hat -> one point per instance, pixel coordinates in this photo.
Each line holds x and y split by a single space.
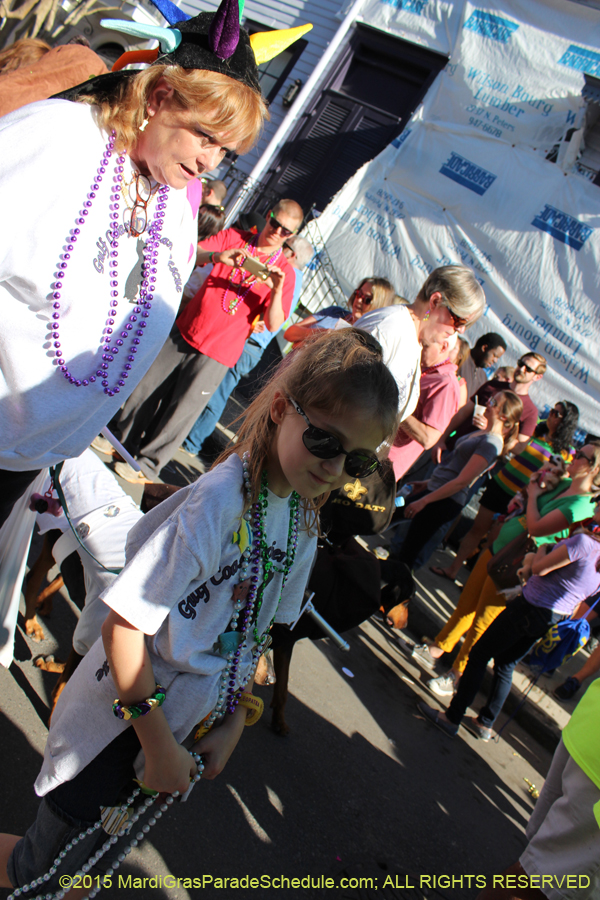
224 32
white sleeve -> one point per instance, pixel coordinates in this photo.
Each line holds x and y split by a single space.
181 553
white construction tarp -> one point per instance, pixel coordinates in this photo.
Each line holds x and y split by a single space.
468 182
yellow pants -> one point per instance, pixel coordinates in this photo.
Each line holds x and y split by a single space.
478 606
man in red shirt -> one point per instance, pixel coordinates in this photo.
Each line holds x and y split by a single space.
208 338
438 401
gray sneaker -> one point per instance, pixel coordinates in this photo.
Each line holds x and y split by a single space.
444 685
422 654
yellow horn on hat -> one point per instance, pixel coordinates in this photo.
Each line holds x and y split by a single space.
269 44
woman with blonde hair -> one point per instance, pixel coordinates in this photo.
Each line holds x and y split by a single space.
25 52
92 269
371 293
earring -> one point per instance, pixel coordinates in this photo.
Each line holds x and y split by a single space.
426 316
144 124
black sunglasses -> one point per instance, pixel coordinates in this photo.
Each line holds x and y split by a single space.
286 232
324 445
556 412
579 454
523 365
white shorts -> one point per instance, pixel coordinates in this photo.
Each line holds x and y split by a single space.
564 836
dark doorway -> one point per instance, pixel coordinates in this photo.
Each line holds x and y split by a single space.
376 86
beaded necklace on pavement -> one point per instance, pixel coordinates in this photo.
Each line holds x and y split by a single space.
244 622
241 289
130 331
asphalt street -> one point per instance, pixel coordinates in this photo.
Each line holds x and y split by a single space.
362 788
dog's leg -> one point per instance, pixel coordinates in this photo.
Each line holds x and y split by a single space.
282 657
71 664
45 600
37 573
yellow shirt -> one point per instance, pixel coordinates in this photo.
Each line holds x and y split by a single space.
581 736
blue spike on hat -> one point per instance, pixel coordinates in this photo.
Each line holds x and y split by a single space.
168 38
171 12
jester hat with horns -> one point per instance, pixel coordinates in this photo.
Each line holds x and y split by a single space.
213 41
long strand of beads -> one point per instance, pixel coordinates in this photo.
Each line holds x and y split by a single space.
97 856
144 305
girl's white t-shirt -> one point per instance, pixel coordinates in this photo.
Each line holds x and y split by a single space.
50 153
178 588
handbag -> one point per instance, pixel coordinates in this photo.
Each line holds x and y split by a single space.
504 565
562 641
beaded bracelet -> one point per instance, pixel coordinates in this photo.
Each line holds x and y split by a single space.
254 705
142 708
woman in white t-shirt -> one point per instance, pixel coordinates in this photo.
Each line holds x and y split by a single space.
98 238
450 300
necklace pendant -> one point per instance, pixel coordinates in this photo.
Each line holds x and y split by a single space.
228 642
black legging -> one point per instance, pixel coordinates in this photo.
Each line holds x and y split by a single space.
425 524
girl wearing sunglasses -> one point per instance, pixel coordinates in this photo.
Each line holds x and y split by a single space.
371 293
441 499
208 573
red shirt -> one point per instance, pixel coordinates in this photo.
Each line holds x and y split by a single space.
438 401
204 323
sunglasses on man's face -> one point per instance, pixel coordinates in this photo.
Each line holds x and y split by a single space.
581 455
324 445
523 365
277 226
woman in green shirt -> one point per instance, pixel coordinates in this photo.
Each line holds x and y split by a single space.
547 518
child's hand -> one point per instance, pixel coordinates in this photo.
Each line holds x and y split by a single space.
169 770
217 746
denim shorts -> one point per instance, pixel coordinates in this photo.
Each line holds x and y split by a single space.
73 808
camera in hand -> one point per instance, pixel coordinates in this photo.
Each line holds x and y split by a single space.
256 267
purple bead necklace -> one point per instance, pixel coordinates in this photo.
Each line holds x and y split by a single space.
133 330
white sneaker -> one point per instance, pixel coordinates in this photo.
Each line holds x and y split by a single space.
421 652
102 445
443 685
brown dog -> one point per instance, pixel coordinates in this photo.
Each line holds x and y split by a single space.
346 582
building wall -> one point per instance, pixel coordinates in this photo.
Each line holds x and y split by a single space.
285 14
471 181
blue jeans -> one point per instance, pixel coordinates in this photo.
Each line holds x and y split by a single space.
507 640
207 421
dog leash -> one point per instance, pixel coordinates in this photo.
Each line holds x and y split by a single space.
55 476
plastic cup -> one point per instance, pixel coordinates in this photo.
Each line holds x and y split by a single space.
479 410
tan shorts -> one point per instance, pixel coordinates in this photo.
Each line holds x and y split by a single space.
564 837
